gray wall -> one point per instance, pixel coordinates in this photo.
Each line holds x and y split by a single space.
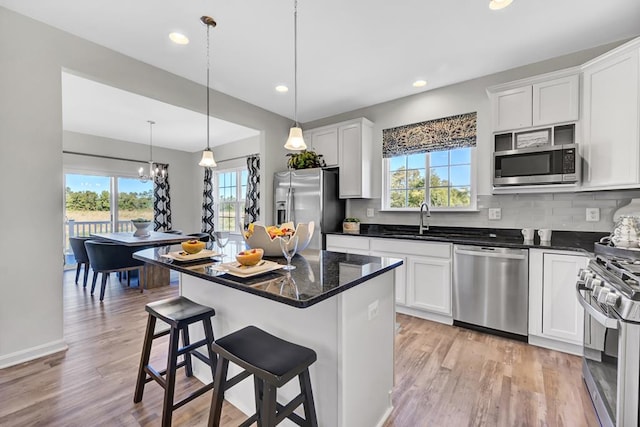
31 164
557 211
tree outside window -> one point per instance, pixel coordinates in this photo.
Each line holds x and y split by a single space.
449 179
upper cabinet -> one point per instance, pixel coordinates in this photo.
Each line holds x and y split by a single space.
324 141
511 109
348 146
542 100
556 101
611 102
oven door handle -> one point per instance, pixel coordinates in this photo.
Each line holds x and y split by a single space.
599 316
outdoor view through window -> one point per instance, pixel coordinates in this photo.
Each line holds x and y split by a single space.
102 204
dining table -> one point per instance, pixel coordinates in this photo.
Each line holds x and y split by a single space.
154 275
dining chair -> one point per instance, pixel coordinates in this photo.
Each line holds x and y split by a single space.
80 254
107 257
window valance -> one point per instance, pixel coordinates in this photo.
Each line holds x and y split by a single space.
433 135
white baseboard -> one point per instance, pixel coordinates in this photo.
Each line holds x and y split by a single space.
32 353
551 344
440 318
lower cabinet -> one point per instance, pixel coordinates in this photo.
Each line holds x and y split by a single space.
429 284
423 282
348 244
556 318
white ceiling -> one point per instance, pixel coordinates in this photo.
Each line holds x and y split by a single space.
97 109
351 53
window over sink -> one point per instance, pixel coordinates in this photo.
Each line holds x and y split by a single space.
442 178
431 161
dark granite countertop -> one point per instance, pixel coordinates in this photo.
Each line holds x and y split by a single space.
581 241
319 275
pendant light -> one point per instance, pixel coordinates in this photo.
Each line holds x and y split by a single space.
155 174
207 160
499 4
295 141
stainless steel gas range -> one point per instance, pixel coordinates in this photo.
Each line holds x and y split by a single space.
609 291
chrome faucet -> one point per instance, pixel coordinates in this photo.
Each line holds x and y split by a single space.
424 208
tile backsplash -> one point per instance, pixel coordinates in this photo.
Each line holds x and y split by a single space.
558 211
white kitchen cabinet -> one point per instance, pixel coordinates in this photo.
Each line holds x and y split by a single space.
536 101
425 290
511 109
348 146
324 141
423 281
429 284
556 101
556 318
380 247
348 244
610 143
354 158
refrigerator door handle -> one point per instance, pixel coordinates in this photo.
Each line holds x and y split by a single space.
289 205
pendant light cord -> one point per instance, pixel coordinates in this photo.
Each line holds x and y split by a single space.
208 117
295 62
151 123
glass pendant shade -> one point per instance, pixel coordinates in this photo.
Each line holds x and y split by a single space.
295 140
207 160
499 4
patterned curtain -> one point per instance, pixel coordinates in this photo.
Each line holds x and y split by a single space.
252 204
208 211
434 135
162 202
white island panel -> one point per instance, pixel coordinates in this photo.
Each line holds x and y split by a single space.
352 333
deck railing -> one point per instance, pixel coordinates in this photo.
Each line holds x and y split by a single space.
75 228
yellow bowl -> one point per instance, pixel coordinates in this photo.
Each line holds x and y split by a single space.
192 246
250 256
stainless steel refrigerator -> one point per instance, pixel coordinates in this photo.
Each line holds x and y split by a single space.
306 195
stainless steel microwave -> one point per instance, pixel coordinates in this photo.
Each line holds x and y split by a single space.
552 164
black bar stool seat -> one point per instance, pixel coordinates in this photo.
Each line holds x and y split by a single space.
273 362
179 313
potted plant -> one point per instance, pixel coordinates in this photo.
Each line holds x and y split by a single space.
351 225
305 159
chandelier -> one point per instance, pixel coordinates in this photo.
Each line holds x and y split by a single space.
156 173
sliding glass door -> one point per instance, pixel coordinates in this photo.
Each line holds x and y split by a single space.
135 200
102 204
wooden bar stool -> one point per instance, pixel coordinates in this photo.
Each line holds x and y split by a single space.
273 362
179 313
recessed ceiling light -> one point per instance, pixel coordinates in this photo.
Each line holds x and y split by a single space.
419 83
179 38
499 4
282 89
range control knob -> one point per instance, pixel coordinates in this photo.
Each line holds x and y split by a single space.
596 291
596 282
612 299
583 273
602 295
588 282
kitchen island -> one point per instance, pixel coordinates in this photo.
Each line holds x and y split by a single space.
340 305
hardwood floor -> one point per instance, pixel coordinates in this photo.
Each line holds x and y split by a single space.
445 376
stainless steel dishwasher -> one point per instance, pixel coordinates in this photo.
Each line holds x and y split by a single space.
491 288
